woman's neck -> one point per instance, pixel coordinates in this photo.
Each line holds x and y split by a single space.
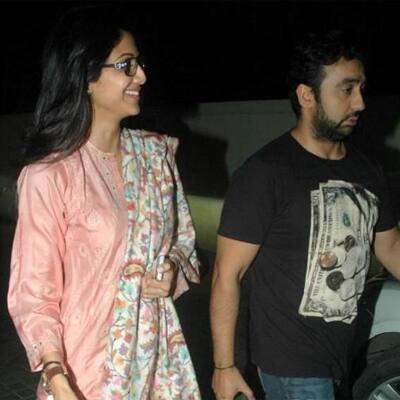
106 137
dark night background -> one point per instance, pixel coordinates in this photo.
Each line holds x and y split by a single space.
217 51
206 51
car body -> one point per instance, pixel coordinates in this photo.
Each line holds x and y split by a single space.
376 366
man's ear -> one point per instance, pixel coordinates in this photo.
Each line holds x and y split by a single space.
305 96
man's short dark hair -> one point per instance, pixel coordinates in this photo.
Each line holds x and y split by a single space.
309 58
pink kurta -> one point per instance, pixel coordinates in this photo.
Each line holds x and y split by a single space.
66 262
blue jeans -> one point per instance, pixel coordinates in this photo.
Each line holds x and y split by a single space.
282 388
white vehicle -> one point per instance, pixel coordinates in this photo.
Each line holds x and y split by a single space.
378 340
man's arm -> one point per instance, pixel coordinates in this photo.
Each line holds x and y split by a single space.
387 250
232 260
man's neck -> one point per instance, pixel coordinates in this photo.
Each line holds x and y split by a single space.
321 148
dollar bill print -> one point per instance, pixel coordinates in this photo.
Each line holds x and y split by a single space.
343 216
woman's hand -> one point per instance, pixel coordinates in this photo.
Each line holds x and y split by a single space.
58 384
61 388
153 288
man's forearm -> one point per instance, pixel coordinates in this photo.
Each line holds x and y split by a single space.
224 310
387 250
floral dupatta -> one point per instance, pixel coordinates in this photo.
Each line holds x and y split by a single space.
147 356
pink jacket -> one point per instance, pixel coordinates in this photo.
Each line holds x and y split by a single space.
67 256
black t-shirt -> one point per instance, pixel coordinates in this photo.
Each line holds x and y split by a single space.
314 220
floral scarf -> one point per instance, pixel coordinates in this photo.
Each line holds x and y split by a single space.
147 356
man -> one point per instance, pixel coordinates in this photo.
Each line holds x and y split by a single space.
304 212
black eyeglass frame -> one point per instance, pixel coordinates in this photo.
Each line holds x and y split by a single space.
126 65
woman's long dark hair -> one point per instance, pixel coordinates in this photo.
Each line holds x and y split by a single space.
73 56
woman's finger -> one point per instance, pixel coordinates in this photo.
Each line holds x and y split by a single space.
154 288
154 293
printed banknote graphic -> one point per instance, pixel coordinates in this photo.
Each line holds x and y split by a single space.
342 219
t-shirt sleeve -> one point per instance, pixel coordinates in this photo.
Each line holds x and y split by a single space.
387 218
249 205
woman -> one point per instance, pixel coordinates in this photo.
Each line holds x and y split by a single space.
104 234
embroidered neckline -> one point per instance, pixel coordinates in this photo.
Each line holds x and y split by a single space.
103 154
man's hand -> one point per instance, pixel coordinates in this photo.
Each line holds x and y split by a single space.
227 383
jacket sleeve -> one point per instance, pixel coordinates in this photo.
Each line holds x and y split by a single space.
182 252
36 277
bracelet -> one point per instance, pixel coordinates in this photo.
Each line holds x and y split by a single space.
48 375
51 362
58 370
229 366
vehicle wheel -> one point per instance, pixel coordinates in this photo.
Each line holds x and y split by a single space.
380 380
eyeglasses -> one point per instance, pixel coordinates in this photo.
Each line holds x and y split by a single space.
129 65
